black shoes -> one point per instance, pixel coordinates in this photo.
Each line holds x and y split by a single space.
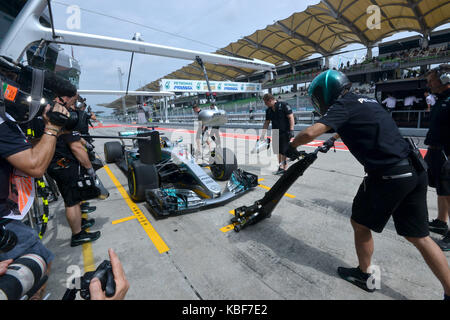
87 223
88 209
441 227
279 171
355 276
438 226
444 244
84 237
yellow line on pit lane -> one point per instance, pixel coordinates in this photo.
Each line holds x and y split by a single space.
268 188
123 220
230 226
88 255
143 221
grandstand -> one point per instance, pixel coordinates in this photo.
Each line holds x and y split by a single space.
324 29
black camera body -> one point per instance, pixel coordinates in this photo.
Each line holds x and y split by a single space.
16 86
104 273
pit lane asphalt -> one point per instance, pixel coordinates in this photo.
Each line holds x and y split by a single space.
292 255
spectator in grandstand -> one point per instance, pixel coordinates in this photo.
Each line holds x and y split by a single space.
430 100
438 141
395 184
282 118
390 102
410 101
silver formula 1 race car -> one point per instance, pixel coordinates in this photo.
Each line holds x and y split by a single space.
167 176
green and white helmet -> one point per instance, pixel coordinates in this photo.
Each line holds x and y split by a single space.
326 88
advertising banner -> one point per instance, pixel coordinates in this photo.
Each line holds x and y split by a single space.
175 85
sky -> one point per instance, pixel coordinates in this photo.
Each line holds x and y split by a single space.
210 24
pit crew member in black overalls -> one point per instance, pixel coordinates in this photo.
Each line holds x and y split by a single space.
438 141
395 184
282 118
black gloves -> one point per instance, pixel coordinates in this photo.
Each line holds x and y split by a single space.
291 134
292 153
327 145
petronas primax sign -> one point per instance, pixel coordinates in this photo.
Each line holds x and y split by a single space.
174 85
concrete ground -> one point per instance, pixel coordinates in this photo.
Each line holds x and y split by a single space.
292 255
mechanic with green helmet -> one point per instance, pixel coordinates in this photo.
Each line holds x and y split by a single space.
395 185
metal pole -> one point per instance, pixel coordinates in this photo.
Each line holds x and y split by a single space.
136 37
129 72
166 110
210 98
124 107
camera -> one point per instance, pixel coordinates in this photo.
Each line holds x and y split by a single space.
104 273
24 277
26 91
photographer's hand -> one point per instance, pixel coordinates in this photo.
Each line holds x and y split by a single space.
35 161
122 285
4 266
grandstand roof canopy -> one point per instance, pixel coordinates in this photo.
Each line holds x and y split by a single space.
323 28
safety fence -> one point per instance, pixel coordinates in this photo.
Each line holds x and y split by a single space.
415 119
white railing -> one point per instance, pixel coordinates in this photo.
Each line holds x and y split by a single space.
417 119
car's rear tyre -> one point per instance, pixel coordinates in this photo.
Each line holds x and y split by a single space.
113 151
140 178
224 165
